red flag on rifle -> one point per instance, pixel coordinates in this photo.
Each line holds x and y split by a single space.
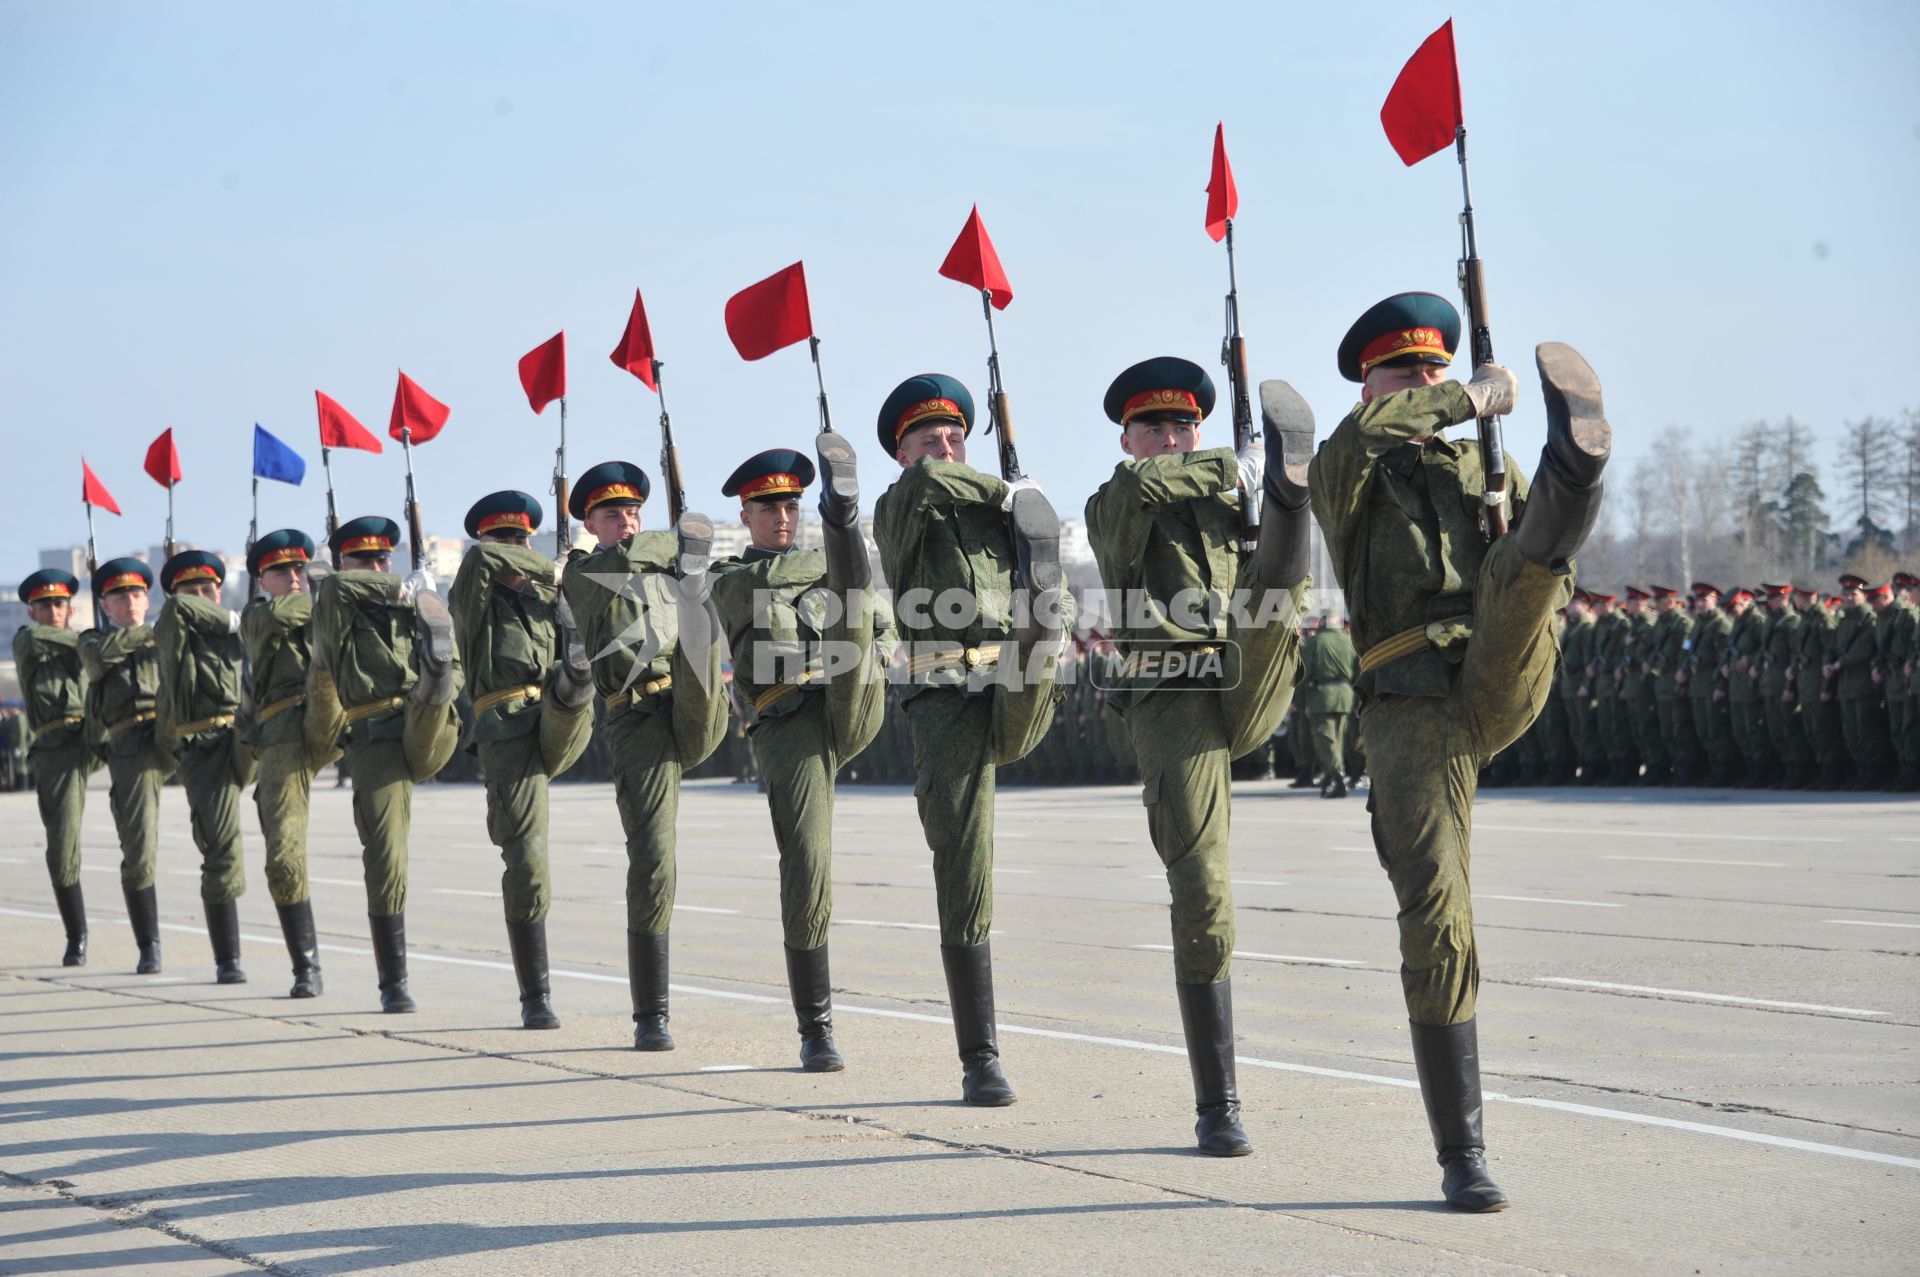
1223 198
163 460
635 351
1422 111
416 411
94 492
972 260
339 429
771 314
543 372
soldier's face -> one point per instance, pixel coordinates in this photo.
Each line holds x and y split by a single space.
1803 602
200 590
1853 597
941 440
508 536
1632 607
126 608
284 579
1386 381
612 524
1140 439
381 562
771 524
54 612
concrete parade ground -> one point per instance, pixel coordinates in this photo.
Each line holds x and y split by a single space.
1699 1020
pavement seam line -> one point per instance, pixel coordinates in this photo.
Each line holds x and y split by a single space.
125 1216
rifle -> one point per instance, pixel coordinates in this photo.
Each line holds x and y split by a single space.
414 534
333 518
253 535
1233 353
999 415
563 527
1473 291
669 456
93 570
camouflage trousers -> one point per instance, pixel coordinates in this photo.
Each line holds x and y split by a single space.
1186 740
518 770
1864 724
1425 756
653 741
1644 721
60 787
134 797
395 752
1784 731
1676 732
1713 729
1330 733
214 767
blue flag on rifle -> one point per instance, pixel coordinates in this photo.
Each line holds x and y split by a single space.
274 460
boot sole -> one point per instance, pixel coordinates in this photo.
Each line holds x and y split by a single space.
1037 527
839 469
1573 398
696 543
1286 414
437 624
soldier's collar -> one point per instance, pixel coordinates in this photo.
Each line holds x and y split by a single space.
755 554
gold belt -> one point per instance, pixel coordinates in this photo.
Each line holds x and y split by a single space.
780 691
634 693
1405 643
970 658
56 724
530 692
115 729
278 707
204 725
359 712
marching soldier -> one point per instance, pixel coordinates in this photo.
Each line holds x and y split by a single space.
1894 639
279 646
1327 662
1576 687
1456 655
801 625
1208 674
122 678
1851 664
955 545
646 621
53 683
1707 683
1671 629
532 690
1643 719
1814 686
1908 674
197 703
1777 691
382 680
1607 672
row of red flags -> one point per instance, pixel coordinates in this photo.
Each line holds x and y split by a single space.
1421 116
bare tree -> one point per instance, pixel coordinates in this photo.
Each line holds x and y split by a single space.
1870 466
1909 480
1673 486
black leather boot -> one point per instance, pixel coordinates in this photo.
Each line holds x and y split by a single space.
143 911
528 940
573 683
433 634
812 988
390 958
296 924
647 978
1565 497
1303 779
1206 1015
848 566
1447 1057
1283 555
970 990
223 929
73 915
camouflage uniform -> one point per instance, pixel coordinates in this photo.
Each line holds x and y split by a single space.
53 683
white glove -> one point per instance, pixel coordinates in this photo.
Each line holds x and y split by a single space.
417 581
1492 391
1252 461
233 622
1022 484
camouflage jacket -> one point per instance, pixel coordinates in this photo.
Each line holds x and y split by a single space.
53 683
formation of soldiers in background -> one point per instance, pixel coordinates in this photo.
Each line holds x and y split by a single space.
1775 687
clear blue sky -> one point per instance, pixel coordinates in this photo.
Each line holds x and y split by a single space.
213 209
